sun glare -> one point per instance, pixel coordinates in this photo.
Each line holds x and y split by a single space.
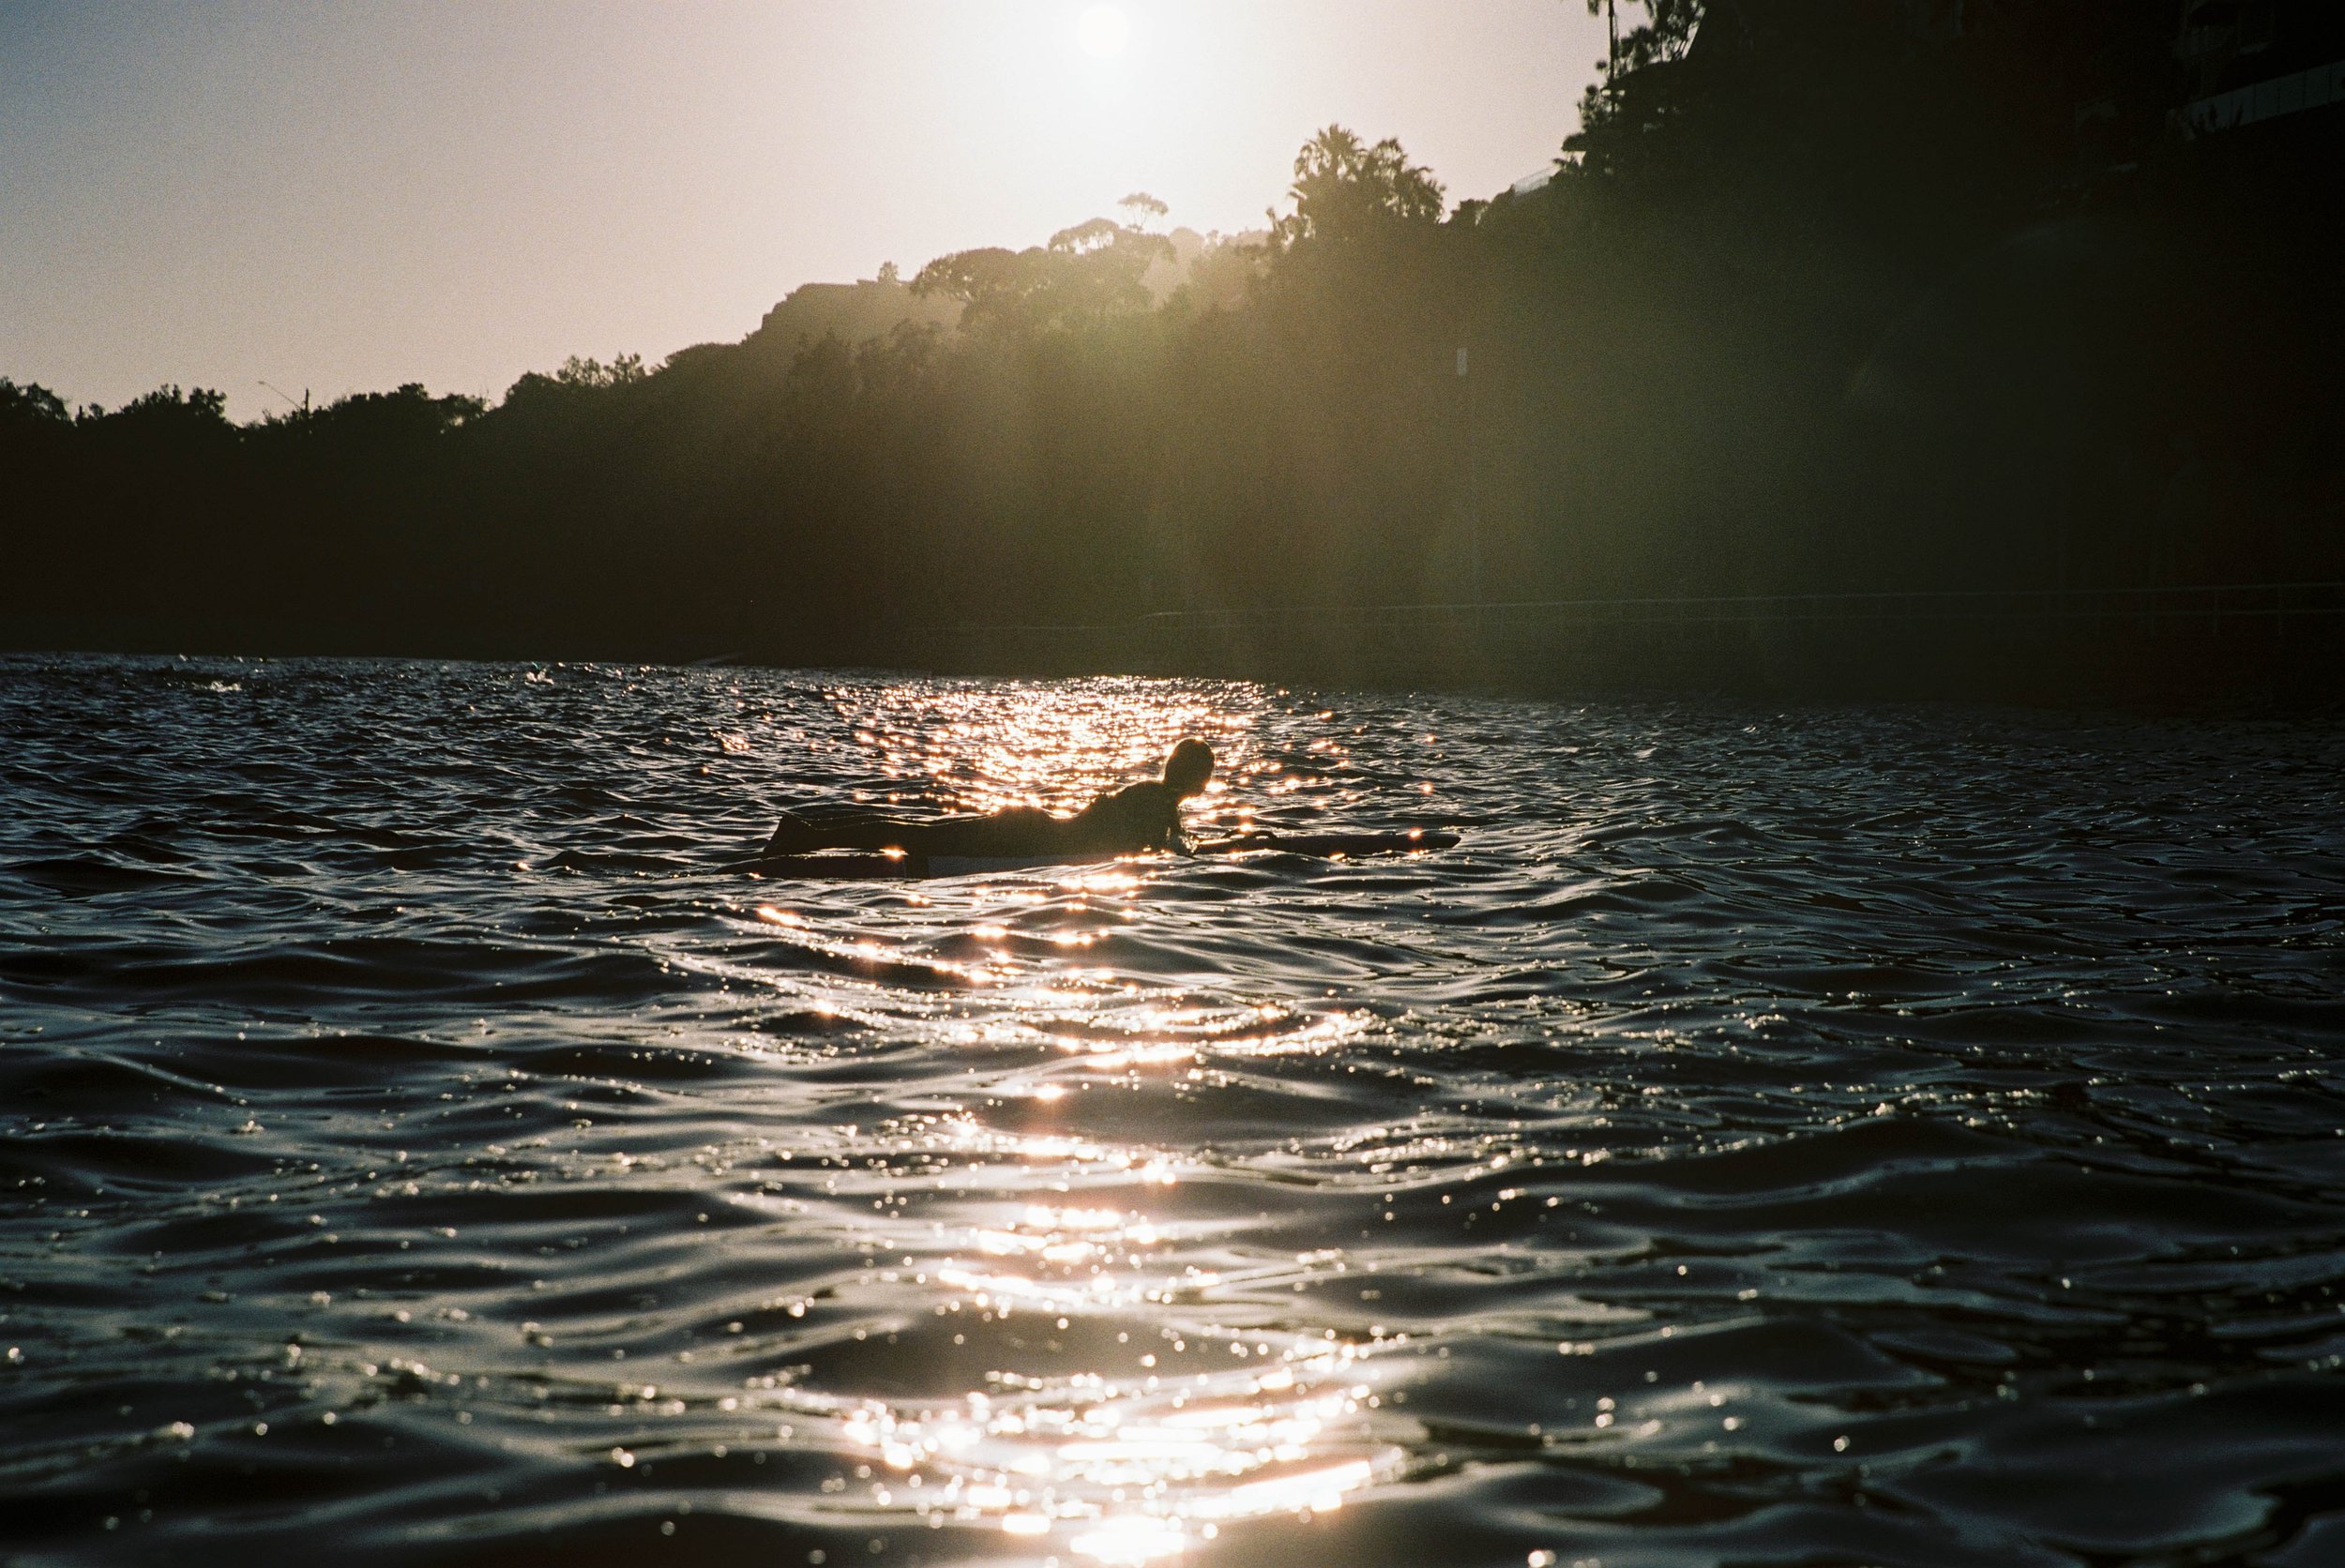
1103 31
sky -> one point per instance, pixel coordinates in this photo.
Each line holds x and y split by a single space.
344 197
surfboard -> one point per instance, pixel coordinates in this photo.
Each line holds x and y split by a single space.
856 865
1332 846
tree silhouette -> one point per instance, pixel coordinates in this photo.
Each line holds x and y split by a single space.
1346 191
30 405
1086 273
1811 306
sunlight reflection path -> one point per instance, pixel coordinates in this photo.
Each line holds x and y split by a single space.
984 748
1127 1465
1048 1284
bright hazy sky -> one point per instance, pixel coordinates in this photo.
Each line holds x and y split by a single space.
345 196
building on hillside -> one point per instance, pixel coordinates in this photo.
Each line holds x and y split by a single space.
2248 61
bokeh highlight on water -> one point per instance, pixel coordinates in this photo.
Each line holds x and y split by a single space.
1881 1135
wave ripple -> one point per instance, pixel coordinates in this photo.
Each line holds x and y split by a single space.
1897 1135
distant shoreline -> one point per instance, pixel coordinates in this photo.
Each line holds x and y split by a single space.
2256 645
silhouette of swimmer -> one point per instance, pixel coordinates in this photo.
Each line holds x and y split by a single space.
1135 818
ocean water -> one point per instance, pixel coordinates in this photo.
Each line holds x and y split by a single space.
1849 1135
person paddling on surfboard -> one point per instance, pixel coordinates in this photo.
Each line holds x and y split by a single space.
1137 818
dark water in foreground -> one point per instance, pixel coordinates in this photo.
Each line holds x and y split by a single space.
1889 1137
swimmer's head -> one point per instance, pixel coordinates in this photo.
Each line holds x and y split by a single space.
1187 769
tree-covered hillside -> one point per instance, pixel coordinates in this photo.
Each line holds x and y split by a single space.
1840 296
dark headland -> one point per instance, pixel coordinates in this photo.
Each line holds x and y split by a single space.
1988 350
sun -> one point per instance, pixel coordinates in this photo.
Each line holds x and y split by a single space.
1103 31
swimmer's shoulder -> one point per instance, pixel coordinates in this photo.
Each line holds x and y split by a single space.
1138 816
1149 795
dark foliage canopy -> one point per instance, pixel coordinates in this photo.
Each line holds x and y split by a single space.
1817 297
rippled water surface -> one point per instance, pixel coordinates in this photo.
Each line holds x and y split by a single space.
1887 1137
